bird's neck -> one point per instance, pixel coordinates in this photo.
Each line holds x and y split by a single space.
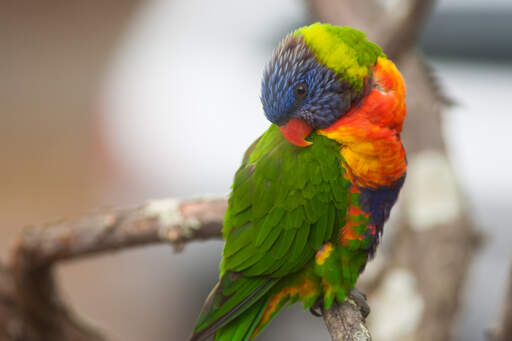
369 133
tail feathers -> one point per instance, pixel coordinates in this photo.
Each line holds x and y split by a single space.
243 327
232 297
249 324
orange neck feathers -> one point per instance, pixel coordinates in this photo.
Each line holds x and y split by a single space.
369 133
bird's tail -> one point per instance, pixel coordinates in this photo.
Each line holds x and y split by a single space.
238 308
234 307
245 326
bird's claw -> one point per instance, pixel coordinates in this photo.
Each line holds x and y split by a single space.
316 309
355 295
360 299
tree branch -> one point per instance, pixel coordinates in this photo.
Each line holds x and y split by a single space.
168 219
394 29
404 23
503 329
346 321
30 305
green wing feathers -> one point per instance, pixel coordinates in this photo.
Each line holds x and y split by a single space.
285 204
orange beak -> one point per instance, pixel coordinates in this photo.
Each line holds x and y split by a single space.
296 131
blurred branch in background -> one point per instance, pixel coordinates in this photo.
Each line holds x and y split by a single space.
503 329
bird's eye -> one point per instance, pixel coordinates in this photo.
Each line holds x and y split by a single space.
301 90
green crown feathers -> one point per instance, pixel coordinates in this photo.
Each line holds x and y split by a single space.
344 50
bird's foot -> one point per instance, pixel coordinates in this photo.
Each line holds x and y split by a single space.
317 308
360 299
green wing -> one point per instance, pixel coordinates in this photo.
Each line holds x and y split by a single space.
283 206
285 203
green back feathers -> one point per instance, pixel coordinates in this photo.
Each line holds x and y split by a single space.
343 49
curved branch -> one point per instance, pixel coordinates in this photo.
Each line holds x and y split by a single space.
30 304
167 219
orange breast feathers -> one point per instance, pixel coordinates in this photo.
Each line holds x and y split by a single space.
369 133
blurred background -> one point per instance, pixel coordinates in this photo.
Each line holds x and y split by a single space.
116 102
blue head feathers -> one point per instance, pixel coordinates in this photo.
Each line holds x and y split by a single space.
296 85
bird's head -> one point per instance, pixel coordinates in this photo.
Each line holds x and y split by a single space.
314 77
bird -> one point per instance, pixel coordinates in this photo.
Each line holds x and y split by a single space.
308 204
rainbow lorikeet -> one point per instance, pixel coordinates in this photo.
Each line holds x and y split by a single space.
309 202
